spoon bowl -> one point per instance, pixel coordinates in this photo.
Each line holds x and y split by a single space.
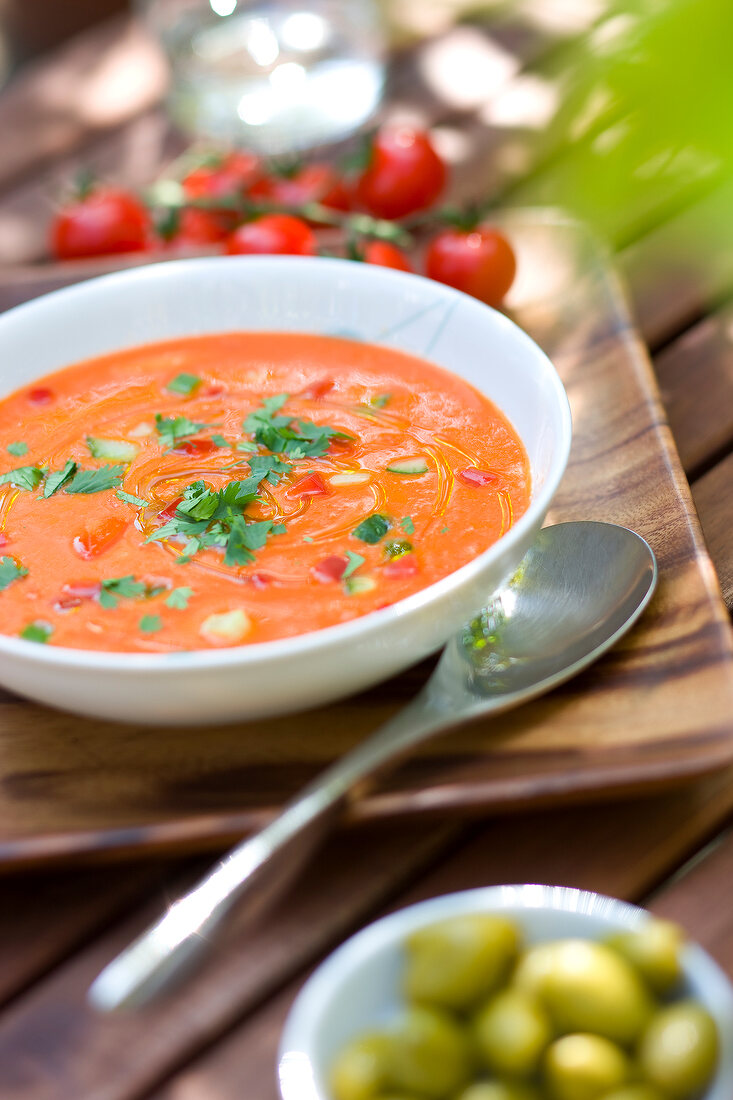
580 587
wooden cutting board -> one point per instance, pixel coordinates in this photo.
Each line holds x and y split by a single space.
658 709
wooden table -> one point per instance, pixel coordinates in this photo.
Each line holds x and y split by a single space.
670 851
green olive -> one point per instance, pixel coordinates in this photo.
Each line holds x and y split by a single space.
634 1092
511 1033
456 962
429 1054
679 1050
654 950
584 1067
585 986
357 1072
500 1090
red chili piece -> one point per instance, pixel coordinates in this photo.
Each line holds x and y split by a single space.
477 479
312 485
90 544
330 569
404 566
169 511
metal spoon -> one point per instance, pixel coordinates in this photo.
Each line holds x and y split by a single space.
579 588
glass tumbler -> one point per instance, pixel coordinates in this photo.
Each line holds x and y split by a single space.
276 76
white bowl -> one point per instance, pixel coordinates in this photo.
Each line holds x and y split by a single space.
334 297
357 988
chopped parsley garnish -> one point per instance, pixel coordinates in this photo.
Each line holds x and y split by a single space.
355 560
407 525
172 428
380 400
178 598
23 477
372 529
307 538
10 571
219 440
130 498
95 481
121 587
18 449
56 480
245 445
284 435
444 530
184 383
151 624
208 519
37 632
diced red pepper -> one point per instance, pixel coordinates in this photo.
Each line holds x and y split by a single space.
195 447
67 603
213 390
260 580
312 485
170 510
40 396
318 389
477 479
82 590
330 569
90 544
404 566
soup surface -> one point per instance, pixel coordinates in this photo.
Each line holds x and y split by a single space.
242 487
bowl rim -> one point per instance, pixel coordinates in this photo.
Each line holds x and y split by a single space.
295 1069
299 645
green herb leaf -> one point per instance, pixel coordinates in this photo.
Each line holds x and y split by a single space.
37 632
55 481
219 440
95 481
407 525
129 498
380 400
355 560
18 449
245 445
184 383
127 587
151 624
395 548
372 529
172 428
23 477
10 571
283 435
178 598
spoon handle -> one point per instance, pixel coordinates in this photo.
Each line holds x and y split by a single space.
260 867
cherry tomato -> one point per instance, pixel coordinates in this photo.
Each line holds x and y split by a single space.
404 173
90 544
480 262
311 183
199 227
106 221
385 254
233 175
330 569
312 485
273 233
477 479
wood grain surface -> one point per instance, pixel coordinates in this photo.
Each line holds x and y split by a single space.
633 720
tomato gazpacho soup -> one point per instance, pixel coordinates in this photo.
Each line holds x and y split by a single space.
241 487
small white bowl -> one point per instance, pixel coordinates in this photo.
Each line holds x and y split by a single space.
358 987
295 294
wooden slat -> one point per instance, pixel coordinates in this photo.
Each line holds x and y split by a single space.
619 850
54 1047
696 380
714 502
